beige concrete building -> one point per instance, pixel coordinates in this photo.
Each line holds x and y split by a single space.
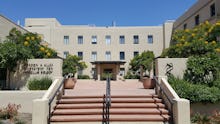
104 49
201 11
6 25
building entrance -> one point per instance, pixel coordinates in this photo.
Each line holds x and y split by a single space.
103 68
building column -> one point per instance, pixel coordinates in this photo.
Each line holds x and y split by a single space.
98 67
117 71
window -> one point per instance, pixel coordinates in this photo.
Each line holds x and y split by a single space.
94 39
108 55
80 54
80 39
150 39
66 40
212 10
94 56
108 39
65 54
136 53
136 39
185 26
122 72
197 20
122 39
122 55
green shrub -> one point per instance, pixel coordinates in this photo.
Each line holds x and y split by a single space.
129 75
83 77
194 92
202 70
200 119
39 83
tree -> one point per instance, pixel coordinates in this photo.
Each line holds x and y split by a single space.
10 55
18 47
72 63
203 39
144 61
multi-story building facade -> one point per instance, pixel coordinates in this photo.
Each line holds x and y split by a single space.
104 49
201 11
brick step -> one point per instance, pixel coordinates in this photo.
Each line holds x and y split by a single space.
112 122
113 105
152 111
113 100
98 118
113 96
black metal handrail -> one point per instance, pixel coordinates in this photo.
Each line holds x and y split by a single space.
52 98
107 102
165 94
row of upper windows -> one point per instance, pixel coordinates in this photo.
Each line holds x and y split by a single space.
108 39
197 18
107 55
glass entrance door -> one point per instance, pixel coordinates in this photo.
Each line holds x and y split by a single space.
106 73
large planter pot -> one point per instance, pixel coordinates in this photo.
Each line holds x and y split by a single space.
148 83
69 83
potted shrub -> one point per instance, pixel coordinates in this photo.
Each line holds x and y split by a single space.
70 67
144 64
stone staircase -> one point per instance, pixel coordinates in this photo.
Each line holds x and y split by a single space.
124 109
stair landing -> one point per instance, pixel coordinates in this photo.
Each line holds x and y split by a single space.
94 88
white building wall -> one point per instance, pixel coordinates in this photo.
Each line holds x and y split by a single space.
54 34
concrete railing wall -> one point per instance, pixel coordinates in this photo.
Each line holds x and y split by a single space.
175 66
179 107
23 98
41 106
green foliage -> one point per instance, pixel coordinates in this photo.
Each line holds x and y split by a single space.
145 59
194 92
129 75
193 42
11 54
72 63
83 77
39 83
202 70
201 119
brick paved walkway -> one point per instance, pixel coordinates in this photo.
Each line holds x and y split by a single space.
91 87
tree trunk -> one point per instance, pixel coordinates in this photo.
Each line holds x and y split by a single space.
8 79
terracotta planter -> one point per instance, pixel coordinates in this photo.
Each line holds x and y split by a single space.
148 83
69 83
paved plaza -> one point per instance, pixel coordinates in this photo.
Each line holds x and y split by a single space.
94 88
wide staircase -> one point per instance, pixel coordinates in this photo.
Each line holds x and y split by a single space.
124 108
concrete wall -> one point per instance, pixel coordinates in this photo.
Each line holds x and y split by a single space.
178 66
36 68
54 34
205 108
6 25
24 98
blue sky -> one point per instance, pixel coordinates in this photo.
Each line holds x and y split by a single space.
98 12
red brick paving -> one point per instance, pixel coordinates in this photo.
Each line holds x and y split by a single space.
93 88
